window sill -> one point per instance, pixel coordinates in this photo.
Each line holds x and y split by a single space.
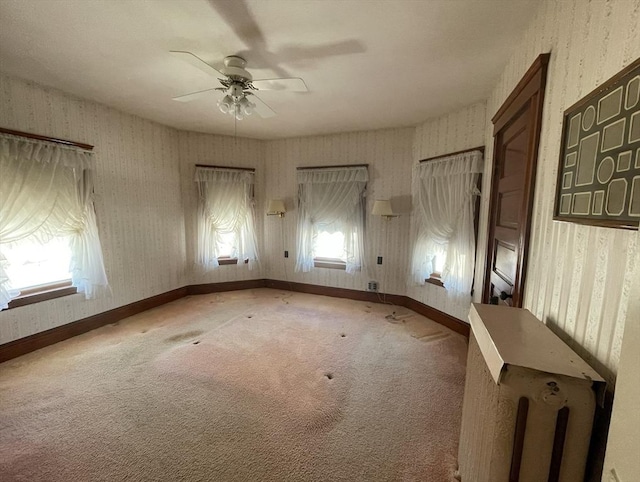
434 281
43 293
226 261
331 263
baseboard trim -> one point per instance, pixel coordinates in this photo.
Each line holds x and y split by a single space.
335 292
34 342
438 316
203 289
25 345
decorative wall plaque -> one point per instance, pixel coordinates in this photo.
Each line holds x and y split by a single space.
599 172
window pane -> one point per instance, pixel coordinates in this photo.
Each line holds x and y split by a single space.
227 246
330 246
438 263
33 264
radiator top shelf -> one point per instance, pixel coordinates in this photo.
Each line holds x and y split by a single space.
513 336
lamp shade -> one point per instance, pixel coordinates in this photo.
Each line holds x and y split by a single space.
276 206
382 208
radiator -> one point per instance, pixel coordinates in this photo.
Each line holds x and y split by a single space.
529 402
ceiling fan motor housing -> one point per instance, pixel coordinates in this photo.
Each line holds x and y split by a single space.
234 68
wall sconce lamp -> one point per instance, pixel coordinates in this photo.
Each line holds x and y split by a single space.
276 208
383 208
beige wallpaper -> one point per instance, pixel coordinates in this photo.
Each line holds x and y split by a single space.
579 277
388 153
219 151
138 203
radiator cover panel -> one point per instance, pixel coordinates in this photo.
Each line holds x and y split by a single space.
553 447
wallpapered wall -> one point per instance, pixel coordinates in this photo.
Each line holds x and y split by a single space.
138 202
460 130
388 153
146 198
219 151
578 277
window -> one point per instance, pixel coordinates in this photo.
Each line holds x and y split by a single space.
31 264
330 245
226 233
331 218
437 265
329 250
48 230
445 192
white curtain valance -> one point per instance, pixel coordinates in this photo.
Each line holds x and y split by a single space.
329 175
443 192
331 200
225 207
46 191
222 176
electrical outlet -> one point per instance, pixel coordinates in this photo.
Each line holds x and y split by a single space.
379 259
372 286
286 254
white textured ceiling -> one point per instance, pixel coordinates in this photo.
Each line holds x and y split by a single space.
368 64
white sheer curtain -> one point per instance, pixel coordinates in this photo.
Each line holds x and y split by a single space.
444 197
331 200
46 191
225 207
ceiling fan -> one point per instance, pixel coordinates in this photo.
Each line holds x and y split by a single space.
238 86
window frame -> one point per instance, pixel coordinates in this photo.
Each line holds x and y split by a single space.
56 289
44 292
435 278
228 260
337 263
331 263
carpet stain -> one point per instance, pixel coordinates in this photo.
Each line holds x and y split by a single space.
184 336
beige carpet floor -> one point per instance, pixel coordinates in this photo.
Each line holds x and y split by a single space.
255 385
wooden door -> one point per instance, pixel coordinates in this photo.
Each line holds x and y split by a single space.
516 135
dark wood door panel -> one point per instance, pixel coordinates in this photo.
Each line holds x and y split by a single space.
508 215
505 261
516 136
507 235
511 184
515 145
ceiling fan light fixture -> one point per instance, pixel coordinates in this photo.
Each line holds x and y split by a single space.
247 106
226 104
238 112
237 83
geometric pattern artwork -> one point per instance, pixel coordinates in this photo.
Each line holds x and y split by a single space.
599 168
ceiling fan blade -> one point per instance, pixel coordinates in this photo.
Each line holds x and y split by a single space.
291 84
193 95
197 62
262 109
